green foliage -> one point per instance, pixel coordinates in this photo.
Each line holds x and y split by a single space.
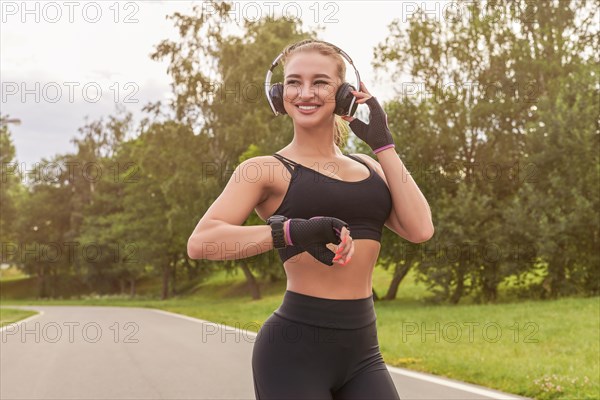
10 180
499 124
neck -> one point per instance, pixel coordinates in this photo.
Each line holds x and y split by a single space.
315 140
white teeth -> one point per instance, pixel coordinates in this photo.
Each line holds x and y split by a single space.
307 107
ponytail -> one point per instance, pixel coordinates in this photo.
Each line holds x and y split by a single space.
340 131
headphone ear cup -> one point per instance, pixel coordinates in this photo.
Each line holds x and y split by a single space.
343 99
276 93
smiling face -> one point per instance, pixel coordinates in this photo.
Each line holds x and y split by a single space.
310 83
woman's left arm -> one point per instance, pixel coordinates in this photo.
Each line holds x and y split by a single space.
409 205
411 215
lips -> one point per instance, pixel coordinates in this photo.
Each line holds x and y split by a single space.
307 104
307 108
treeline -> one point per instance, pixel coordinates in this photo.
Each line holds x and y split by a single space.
496 118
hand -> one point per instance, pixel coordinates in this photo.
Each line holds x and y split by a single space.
344 250
316 234
377 133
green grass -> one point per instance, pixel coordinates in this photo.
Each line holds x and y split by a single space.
12 273
508 346
10 315
547 349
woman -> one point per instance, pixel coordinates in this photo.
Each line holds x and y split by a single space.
321 343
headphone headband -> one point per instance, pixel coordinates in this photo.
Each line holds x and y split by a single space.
276 62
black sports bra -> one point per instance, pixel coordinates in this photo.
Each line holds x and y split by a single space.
365 205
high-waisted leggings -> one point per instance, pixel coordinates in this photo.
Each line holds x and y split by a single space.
317 348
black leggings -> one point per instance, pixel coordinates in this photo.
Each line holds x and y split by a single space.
317 348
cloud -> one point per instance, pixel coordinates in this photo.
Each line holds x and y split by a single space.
47 128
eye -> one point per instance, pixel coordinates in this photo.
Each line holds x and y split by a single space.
296 82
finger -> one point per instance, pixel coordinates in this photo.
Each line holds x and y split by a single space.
360 95
364 88
349 256
339 251
349 119
347 248
340 248
337 258
348 237
351 252
334 249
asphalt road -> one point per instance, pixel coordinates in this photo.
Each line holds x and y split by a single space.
78 352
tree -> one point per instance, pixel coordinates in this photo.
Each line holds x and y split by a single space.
488 74
10 183
563 196
223 100
42 225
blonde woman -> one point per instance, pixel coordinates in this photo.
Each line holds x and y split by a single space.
325 211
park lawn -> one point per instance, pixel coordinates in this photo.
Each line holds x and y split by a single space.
10 315
538 349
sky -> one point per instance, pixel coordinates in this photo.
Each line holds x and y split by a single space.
63 62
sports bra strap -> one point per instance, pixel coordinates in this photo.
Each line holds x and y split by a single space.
355 158
360 160
286 161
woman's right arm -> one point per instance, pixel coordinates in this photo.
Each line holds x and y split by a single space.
219 234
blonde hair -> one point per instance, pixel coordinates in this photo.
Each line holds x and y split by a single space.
341 129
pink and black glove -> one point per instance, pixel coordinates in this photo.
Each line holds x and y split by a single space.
377 133
314 233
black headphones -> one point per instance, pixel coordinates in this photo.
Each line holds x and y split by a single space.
344 99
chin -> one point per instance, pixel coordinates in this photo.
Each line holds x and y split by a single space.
308 121
318 118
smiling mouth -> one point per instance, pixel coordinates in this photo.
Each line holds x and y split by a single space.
308 107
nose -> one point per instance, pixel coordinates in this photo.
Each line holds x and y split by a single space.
303 92
307 91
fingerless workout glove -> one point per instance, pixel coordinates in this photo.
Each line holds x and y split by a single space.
313 234
377 133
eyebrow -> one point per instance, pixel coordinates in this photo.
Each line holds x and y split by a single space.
315 76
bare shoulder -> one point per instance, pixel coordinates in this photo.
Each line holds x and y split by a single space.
259 162
247 187
260 169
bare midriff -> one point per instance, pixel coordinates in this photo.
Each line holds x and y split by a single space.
307 275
